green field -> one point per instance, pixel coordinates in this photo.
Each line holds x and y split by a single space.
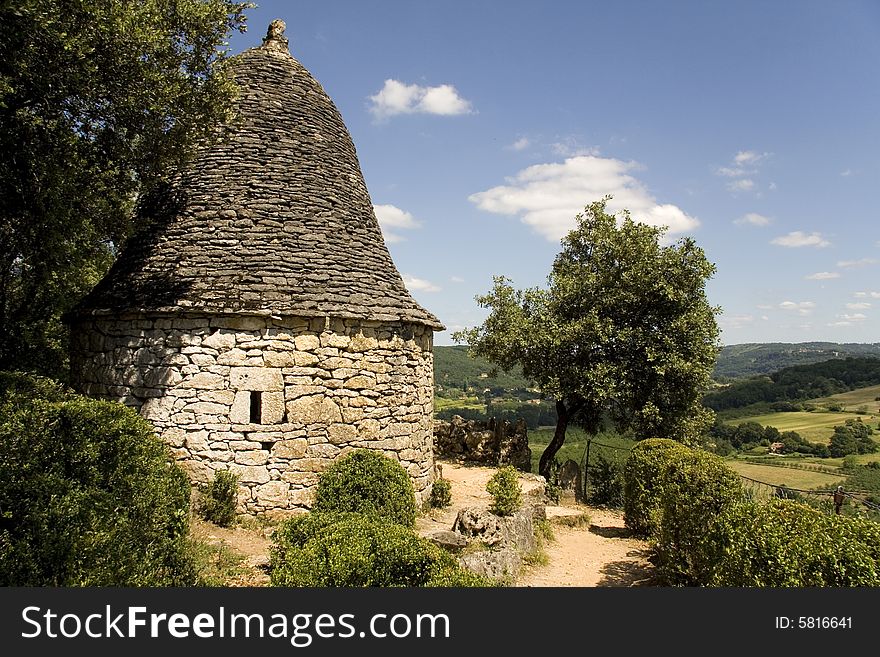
817 427
791 477
575 445
854 399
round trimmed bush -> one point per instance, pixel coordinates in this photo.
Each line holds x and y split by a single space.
354 550
696 486
642 483
370 483
88 495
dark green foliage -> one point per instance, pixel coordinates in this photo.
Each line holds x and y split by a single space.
367 482
605 481
88 496
622 332
456 369
99 102
798 383
353 550
220 498
642 483
789 544
695 487
441 494
534 415
506 491
852 438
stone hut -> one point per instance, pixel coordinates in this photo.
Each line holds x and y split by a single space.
259 322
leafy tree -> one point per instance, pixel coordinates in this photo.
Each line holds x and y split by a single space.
101 101
623 330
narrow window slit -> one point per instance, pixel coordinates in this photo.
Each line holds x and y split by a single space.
256 407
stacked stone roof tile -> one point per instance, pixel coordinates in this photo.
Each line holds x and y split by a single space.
272 219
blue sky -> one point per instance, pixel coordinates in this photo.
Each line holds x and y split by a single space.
482 128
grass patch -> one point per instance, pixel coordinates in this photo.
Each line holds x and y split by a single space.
817 427
576 444
855 398
474 403
782 476
218 564
573 521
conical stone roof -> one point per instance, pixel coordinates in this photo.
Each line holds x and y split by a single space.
273 219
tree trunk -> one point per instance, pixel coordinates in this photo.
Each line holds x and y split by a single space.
562 417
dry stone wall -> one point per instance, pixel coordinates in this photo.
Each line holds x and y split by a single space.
273 400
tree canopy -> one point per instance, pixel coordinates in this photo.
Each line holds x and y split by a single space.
101 101
623 331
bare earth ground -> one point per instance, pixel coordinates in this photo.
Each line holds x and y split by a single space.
600 553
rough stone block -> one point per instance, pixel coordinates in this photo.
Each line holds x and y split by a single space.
240 413
234 356
219 340
204 381
252 457
273 408
334 340
361 343
265 379
341 433
279 358
306 342
272 494
250 474
360 382
313 410
290 449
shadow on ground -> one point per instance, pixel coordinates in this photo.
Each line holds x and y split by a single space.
628 573
610 532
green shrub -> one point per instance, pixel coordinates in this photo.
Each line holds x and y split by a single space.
606 482
367 482
642 486
441 494
784 543
355 550
220 499
88 496
506 491
695 487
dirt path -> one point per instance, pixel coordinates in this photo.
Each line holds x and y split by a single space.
600 553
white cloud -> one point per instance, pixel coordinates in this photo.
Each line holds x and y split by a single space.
764 306
799 238
823 276
742 185
855 317
520 144
801 307
456 279
753 218
419 285
749 157
840 324
548 196
858 306
391 218
572 147
737 321
771 186
864 295
846 173
864 262
742 167
396 97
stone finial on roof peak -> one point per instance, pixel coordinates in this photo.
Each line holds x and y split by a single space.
275 39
